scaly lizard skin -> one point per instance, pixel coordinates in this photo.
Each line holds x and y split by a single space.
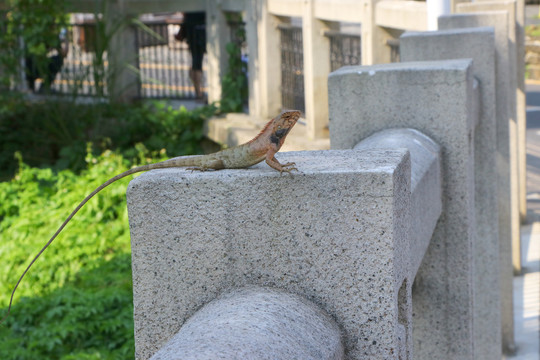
263 147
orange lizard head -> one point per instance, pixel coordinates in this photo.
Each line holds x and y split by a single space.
281 125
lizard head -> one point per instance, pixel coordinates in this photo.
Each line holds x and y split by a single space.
281 126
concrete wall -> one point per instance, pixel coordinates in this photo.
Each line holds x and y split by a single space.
404 15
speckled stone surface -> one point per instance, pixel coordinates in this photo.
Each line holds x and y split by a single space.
256 323
438 99
521 103
515 10
426 183
335 233
505 112
477 44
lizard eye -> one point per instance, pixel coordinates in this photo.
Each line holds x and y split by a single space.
279 127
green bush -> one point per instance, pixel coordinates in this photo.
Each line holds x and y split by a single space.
234 84
76 302
38 22
56 133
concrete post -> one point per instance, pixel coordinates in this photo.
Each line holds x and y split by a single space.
374 37
521 108
123 53
264 60
316 70
519 7
337 234
507 204
252 16
217 35
21 83
437 98
479 45
516 48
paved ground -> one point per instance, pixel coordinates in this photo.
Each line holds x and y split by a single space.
531 15
527 285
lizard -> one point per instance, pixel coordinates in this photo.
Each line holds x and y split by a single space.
262 147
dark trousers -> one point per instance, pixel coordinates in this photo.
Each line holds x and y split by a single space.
47 72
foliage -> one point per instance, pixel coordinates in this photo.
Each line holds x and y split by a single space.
99 38
532 30
38 22
55 133
76 303
234 84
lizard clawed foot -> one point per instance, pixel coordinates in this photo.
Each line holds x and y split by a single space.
289 164
287 168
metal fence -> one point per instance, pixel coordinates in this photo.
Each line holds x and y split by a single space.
345 49
163 63
292 68
84 68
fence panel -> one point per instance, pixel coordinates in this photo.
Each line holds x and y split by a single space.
82 69
292 68
345 49
164 63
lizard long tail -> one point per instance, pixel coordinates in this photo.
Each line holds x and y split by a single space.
81 204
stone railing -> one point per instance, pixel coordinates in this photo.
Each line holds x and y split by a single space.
337 234
440 99
403 216
360 261
413 211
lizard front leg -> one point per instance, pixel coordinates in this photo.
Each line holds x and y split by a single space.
275 164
